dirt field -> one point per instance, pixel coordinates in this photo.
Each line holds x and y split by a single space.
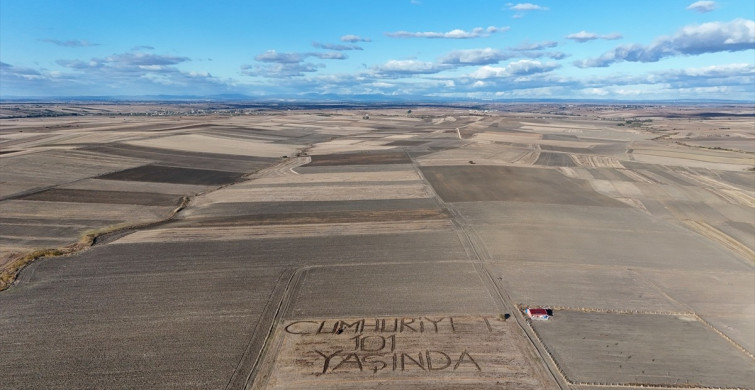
390 252
164 174
489 183
359 159
631 348
113 197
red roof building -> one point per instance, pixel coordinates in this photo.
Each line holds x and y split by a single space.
537 313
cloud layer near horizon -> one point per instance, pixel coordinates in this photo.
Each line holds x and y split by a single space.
478 62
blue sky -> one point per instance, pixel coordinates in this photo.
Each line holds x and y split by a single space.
455 49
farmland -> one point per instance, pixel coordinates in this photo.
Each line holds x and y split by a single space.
324 248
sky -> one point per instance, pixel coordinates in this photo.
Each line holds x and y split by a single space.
473 49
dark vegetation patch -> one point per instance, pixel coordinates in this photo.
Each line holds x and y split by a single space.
360 159
175 175
497 183
555 160
111 197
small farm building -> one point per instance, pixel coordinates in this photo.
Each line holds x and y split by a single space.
537 313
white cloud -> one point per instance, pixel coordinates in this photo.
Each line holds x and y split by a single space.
721 70
713 37
71 43
331 55
595 91
516 68
272 56
280 70
702 6
329 46
453 34
584 36
527 7
281 58
535 46
354 39
394 68
475 57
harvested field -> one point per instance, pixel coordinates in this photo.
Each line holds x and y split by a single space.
538 204
643 349
406 143
322 217
39 231
493 183
244 232
439 288
74 211
578 286
111 197
187 159
43 169
228 209
360 159
325 192
136 186
342 177
165 174
219 145
476 353
555 160
675 249
307 169
184 334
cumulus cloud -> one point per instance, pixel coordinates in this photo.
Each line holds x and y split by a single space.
526 7
331 55
714 75
119 74
126 62
16 72
584 36
272 56
516 68
396 68
328 46
713 37
354 39
484 56
535 46
702 6
71 43
281 58
136 58
280 70
453 34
